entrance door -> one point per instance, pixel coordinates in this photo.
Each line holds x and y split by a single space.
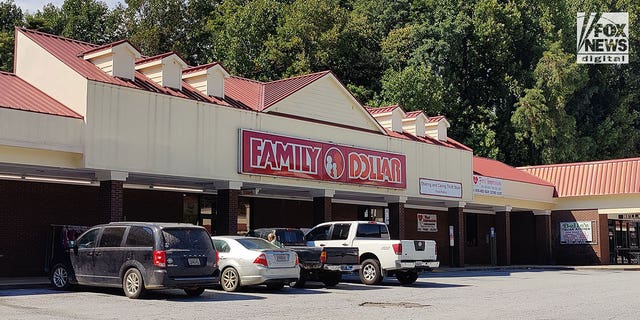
625 245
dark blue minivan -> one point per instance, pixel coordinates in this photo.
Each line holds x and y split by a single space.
138 256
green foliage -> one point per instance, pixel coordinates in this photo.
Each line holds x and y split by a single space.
503 72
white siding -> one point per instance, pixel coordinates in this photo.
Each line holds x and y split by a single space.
326 100
136 131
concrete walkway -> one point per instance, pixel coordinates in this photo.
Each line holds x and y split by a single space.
42 281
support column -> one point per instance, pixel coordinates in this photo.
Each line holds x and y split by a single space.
396 217
455 218
543 236
227 208
322 205
111 195
503 235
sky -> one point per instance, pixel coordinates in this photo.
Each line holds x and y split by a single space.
34 5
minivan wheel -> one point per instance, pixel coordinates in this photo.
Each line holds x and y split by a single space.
60 277
194 292
132 284
229 280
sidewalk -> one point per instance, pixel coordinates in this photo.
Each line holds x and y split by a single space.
618 267
43 282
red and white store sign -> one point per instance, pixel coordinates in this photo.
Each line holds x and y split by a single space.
275 155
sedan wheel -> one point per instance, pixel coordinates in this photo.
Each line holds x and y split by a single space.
230 281
133 284
60 277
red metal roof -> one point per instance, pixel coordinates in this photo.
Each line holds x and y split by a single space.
70 53
108 46
382 109
450 143
618 176
19 95
435 119
496 169
275 91
413 114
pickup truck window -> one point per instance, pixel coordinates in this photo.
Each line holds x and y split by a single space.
340 231
370 230
319 233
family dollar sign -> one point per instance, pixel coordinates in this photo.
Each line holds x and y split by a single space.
603 38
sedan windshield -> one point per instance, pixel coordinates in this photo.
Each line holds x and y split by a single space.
257 244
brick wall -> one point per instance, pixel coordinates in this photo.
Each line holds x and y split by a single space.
344 212
281 213
580 254
523 238
27 209
148 205
441 237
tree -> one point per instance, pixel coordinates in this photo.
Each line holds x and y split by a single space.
10 17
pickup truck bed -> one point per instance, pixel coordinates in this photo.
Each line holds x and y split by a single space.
325 264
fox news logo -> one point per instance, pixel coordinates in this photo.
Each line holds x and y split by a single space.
603 38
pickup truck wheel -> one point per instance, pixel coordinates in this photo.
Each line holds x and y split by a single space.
370 272
230 280
331 279
406 277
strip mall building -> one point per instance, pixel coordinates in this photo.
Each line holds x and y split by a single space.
91 134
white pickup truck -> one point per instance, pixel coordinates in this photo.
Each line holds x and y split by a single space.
379 255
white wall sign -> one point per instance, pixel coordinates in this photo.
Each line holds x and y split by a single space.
440 188
487 186
576 232
603 38
427 222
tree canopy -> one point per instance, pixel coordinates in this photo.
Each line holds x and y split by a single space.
503 72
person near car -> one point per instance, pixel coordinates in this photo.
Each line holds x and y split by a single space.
272 238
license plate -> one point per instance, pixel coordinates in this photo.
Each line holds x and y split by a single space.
347 268
282 257
193 261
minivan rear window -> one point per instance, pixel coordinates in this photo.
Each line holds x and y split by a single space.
187 239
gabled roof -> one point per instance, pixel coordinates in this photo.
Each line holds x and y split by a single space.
496 169
260 96
414 114
70 52
620 176
17 94
108 46
203 67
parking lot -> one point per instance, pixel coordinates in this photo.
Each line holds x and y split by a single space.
496 294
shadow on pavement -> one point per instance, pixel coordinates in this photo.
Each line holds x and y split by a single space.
390 282
29 292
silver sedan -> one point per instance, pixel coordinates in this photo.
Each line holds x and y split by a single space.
246 261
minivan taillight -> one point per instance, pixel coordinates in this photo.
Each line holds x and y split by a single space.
323 257
262 260
217 256
397 248
160 258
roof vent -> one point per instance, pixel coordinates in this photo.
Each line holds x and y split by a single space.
436 127
414 123
389 117
208 79
116 59
165 69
